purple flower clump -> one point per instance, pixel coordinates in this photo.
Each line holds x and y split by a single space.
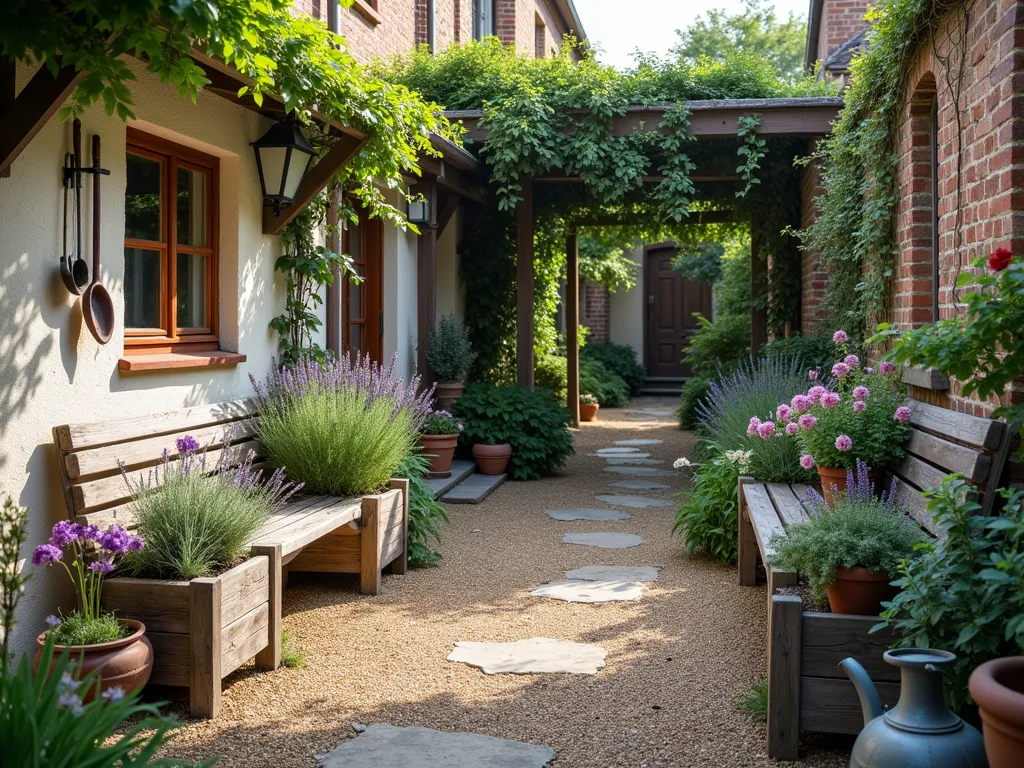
801 402
839 337
844 443
861 393
807 421
766 430
186 444
792 428
860 406
830 400
840 370
816 392
106 565
886 368
45 554
118 541
852 360
902 414
783 413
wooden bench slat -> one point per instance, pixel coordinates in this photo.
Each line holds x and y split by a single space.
951 457
763 517
974 430
919 474
917 506
292 512
787 504
310 528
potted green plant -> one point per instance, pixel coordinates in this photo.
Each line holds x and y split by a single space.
589 406
450 356
851 549
858 415
116 649
439 436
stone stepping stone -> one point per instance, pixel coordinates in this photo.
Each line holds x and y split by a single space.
590 591
623 461
622 456
587 514
639 441
655 412
620 451
639 485
604 540
615 573
386 744
640 471
538 655
633 502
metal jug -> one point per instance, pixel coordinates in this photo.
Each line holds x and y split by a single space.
920 731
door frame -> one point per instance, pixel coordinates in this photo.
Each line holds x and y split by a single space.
371 241
648 247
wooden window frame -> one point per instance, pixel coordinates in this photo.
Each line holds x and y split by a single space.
371 242
170 338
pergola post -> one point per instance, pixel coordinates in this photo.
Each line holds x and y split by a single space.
572 325
758 315
333 328
426 280
524 287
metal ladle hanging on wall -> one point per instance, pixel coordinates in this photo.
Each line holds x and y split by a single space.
73 269
97 306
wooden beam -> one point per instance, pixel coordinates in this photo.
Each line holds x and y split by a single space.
333 329
31 109
8 84
318 177
758 316
451 205
426 281
572 325
448 176
524 287
696 218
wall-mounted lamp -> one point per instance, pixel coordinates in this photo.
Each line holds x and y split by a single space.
282 157
417 209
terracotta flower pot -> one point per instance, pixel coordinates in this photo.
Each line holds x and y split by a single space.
127 662
836 476
492 459
860 591
439 449
998 688
588 411
446 393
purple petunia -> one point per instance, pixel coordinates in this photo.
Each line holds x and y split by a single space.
852 360
902 414
861 392
800 402
840 370
807 421
766 429
816 392
844 443
860 406
45 554
830 400
806 461
887 368
783 413
792 428
839 337
106 565
186 445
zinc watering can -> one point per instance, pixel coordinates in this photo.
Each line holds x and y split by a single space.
920 731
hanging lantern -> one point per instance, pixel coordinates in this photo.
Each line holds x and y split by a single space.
282 157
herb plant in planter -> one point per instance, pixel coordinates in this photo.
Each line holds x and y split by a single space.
450 356
589 406
850 550
439 436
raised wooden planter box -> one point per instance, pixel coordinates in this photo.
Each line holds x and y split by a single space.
201 630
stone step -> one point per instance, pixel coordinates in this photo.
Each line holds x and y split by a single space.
461 469
473 489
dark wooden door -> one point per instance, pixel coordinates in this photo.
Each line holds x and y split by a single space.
362 316
672 302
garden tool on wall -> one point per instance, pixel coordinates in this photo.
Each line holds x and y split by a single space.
97 306
73 269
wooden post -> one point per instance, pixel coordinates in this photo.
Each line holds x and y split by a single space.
758 316
746 556
8 72
784 677
572 324
369 547
400 565
270 657
524 287
426 280
204 647
333 328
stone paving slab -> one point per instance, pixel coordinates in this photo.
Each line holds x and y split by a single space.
633 502
632 461
619 451
639 485
590 590
461 469
639 441
587 514
538 655
622 456
615 573
604 540
640 471
473 489
383 744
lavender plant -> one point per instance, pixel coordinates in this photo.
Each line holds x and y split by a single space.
193 520
342 427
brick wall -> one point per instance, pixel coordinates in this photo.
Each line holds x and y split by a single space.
596 310
516 23
840 20
813 277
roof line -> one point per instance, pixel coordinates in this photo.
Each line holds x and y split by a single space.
813 31
704 104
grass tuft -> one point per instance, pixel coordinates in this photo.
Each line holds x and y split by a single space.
291 656
754 702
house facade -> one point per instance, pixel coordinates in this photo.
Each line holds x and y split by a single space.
186 261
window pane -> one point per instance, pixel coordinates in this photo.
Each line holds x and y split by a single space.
355 338
355 298
355 241
191 290
142 205
191 207
141 288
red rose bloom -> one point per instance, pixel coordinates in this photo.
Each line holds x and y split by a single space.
1000 259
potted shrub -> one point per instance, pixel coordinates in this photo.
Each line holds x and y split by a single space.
851 549
439 436
588 407
117 650
858 415
450 356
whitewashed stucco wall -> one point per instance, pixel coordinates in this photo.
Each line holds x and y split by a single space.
451 295
400 305
626 321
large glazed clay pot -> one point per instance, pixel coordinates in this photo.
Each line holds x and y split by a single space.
492 459
439 449
997 687
588 411
859 591
833 482
127 662
446 393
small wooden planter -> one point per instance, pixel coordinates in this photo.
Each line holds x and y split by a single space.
202 630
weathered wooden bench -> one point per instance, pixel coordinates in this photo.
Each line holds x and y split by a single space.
205 629
806 688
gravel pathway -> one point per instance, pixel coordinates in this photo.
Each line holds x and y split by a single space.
677 658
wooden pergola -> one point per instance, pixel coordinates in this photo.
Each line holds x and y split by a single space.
807 118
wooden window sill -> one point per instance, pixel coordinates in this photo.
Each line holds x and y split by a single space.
367 11
175 360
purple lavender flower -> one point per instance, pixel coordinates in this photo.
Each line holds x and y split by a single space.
45 554
886 368
844 443
839 337
830 400
839 370
792 428
186 445
902 414
807 421
859 406
106 565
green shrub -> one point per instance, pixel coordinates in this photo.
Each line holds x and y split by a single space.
719 345
449 353
706 516
534 424
342 428
620 359
550 372
610 390
755 701
194 522
77 629
425 513
818 352
694 391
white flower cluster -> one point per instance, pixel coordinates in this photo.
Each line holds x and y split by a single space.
681 463
740 458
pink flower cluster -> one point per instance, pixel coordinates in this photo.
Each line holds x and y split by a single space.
902 414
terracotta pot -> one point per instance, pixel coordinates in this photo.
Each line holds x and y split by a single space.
860 591
127 662
446 393
834 476
439 449
588 411
492 459
998 688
